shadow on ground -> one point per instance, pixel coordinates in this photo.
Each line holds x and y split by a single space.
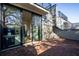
45 48
66 48
20 51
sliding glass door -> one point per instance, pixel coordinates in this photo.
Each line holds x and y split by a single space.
11 29
0 26
11 26
36 27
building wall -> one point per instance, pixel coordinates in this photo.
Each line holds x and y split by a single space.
75 25
48 24
60 23
47 27
67 25
63 24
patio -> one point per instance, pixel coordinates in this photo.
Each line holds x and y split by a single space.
45 48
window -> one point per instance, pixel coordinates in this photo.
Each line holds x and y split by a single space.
37 33
11 26
12 15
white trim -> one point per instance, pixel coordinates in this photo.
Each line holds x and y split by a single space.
39 7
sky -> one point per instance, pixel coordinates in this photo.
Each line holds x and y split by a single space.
71 10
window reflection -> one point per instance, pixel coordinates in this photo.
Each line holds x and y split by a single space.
12 26
12 15
36 27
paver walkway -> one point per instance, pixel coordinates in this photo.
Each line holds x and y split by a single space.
46 48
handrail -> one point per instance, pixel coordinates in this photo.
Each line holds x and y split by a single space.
42 5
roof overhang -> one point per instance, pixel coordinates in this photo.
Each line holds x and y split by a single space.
31 7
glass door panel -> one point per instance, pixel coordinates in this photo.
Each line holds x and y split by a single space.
26 27
17 35
0 26
11 26
36 27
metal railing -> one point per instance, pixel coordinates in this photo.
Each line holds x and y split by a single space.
46 6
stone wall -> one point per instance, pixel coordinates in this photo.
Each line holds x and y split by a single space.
47 27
